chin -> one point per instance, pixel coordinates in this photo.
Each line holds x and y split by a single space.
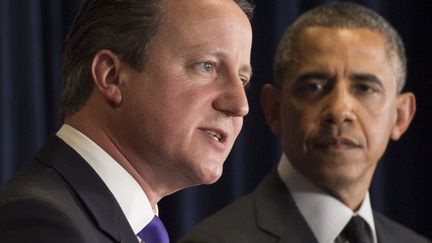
337 179
209 174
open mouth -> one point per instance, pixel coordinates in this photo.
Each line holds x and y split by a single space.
217 136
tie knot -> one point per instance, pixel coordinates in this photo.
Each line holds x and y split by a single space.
154 232
357 230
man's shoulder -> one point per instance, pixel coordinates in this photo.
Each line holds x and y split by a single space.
256 217
47 202
47 176
38 198
40 188
232 223
41 219
391 231
34 180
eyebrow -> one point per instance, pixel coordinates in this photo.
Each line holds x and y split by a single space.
244 68
366 77
319 75
222 55
322 75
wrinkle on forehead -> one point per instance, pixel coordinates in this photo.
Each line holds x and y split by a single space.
323 40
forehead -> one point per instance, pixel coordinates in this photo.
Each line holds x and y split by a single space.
342 50
192 21
192 28
352 46
179 11
336 40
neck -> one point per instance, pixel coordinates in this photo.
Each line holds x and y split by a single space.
352 199
95 129
351 194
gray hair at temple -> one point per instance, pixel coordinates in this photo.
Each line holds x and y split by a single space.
126 27
339 15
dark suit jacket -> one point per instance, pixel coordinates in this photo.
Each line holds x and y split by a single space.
58 197
269 214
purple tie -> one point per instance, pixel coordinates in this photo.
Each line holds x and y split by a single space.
154 232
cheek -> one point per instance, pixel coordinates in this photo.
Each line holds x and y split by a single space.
380 117
237 124
180 113
377 126
296 116
296 124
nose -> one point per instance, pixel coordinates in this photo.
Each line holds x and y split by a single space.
338 107
232 101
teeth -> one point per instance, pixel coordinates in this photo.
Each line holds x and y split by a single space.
217 136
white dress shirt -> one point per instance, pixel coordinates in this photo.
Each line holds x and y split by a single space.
325 215
128 193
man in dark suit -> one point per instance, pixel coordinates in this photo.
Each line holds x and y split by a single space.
336 102
153 99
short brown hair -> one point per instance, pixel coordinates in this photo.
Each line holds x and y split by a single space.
338 15
126 27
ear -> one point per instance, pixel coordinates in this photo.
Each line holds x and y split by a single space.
270 102
105 72
406 106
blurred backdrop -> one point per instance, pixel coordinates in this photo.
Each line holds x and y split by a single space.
31 42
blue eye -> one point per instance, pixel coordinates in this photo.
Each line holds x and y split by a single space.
207 66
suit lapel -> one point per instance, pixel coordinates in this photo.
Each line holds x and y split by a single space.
277 213
385 237
88 186
385 234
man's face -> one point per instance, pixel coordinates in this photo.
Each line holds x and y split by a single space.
339 105
181 114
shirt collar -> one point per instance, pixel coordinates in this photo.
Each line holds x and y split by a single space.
129 195
325 215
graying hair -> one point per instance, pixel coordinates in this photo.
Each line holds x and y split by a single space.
338 15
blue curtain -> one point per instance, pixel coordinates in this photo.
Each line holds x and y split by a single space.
31 42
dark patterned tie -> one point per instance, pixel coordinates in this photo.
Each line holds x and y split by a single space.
357 231
154 232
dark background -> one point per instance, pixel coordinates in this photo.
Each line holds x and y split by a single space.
31 42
